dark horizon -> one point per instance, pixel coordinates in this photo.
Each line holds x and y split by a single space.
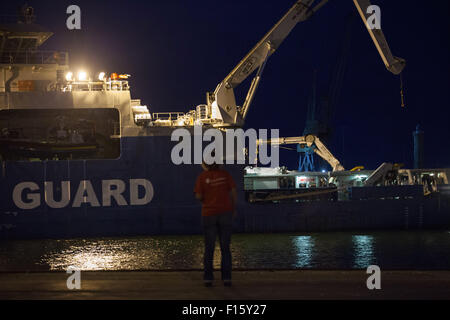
178 51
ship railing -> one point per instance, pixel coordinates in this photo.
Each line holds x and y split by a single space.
113 85
167 116
34 57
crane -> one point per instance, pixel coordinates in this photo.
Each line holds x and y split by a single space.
310 141
321 106
221 110
323 101
392 63
222 102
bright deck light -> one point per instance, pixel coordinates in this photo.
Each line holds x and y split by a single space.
82 75
69 76
101 76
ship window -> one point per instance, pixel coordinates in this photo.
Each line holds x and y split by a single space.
56 134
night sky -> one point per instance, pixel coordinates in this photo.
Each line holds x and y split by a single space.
176 51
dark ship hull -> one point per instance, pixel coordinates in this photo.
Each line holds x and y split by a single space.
169 206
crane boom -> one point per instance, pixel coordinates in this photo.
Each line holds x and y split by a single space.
222 102
309 140
300 11
392 63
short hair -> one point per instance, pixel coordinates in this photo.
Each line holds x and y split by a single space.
213 165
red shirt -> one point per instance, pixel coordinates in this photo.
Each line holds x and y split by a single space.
214 186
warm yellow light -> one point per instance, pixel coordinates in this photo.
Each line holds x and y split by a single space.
101 76
82 76
69 76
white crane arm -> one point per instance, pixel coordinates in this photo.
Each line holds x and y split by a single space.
392 63
223 98
300 11
223 101
326 154
309 140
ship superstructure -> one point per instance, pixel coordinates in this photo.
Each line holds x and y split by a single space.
85 114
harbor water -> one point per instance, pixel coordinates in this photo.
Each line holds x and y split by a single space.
415 250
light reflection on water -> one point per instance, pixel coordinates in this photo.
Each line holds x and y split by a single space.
162 253
304 246
336 250
363 251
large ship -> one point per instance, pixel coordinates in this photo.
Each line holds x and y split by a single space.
80 157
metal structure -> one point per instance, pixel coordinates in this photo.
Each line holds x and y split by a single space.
220 109
322 105
306 158
392 63
223 99
309 141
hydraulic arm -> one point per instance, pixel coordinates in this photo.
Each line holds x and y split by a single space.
309 140
393 64
222 100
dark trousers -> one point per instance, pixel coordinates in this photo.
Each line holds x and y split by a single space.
220 225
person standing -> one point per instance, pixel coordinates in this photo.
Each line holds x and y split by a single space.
216 190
